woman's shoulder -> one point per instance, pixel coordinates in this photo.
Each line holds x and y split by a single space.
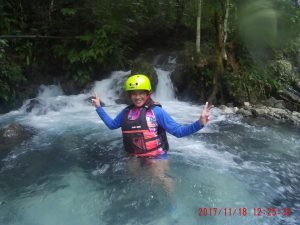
157 109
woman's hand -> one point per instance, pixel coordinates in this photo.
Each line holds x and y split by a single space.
96 100
204 117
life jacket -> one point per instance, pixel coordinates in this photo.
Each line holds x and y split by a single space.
141 132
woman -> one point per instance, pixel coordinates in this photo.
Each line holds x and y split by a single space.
144 125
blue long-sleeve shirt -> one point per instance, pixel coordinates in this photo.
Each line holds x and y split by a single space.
162 118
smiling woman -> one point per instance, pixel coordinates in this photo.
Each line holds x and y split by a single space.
139 98
144 125
139 89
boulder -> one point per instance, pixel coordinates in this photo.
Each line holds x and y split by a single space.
275 103
262 111
295 117
245 112
33 103
227 110
142 66
291 98
247 104
296 114
15 133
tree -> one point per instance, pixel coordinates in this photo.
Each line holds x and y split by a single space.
219 21
227 8
198 32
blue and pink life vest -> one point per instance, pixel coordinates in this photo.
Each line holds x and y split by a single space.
141 132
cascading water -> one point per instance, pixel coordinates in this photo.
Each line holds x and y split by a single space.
165 90
74 170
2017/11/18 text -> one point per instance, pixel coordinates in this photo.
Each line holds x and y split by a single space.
284 212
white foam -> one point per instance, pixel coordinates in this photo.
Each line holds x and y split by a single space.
47 91
165 88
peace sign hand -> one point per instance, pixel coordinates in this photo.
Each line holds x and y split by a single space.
204 117
96 100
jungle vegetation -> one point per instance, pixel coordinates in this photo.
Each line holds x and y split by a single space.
233 50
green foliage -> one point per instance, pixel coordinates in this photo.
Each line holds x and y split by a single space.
82 77
91 49
292 51
10 75
68 11
282 70
255 82
142 66
250 86
91 36
101 46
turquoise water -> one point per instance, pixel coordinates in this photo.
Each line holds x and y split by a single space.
74 170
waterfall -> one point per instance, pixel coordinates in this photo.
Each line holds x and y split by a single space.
165 89
77 164
110 89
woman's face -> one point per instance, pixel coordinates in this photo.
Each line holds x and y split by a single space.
138 98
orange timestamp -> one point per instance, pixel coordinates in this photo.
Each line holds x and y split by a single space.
284 212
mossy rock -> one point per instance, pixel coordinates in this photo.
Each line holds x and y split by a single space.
142 66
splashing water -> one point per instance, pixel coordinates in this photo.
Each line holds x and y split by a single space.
75 171
165 90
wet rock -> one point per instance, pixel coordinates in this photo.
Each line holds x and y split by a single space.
247 104
296 117
230 104
142 66
179 80
71 87
296 114
228 110
245 112
41 107
167 60
261 111
291 96
280 104
33 103
275 103
15 133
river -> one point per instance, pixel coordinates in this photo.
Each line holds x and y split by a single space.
74 171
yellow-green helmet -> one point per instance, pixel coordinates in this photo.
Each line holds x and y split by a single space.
138 82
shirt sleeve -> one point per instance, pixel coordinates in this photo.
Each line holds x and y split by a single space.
109 122
172 127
